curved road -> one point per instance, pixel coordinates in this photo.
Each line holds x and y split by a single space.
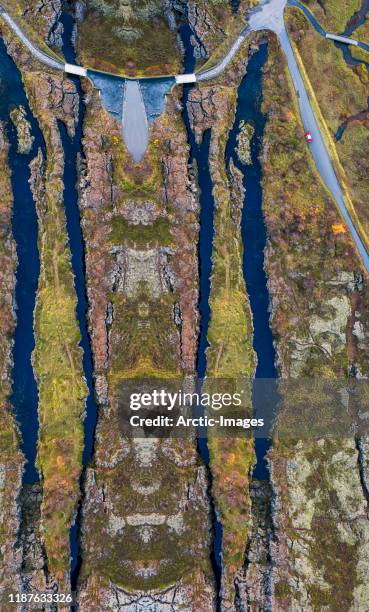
40 55
212 73
268 15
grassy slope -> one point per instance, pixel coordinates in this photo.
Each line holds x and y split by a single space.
11 457
340 92
57 357
332 17
230 354
361 34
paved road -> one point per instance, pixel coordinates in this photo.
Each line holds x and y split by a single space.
268 15
212 73
318 148
42 57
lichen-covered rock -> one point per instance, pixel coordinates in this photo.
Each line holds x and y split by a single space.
23 127
318 545
12 460
244 142
145 529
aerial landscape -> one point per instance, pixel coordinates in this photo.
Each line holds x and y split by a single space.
184 305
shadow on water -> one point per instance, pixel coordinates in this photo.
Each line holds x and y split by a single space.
24 397
199 156
254 236
72 152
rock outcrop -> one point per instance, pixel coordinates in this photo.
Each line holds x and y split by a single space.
319 317
12 460
145 527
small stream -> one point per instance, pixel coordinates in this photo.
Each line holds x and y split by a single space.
72 152
354 23
358 19
254 242
24 397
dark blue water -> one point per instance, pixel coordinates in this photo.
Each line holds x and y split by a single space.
72 149
24 397
341 130
309 15
199 153
235 5
254 238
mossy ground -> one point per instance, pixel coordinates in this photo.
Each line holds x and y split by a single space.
306 255
153 50
340 92
57 356
332 17
362 34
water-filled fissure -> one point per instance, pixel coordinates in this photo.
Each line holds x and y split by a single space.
73 152
24 398
254 234
199 158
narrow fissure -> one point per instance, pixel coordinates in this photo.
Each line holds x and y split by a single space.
25 231
72 154
24 398
199 158
362 467
254 237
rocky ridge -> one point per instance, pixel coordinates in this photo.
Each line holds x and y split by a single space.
319 296
12 461
142 297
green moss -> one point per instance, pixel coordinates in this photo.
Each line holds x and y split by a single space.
282 589
57 357
128 37
146 329
140 235
333 14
